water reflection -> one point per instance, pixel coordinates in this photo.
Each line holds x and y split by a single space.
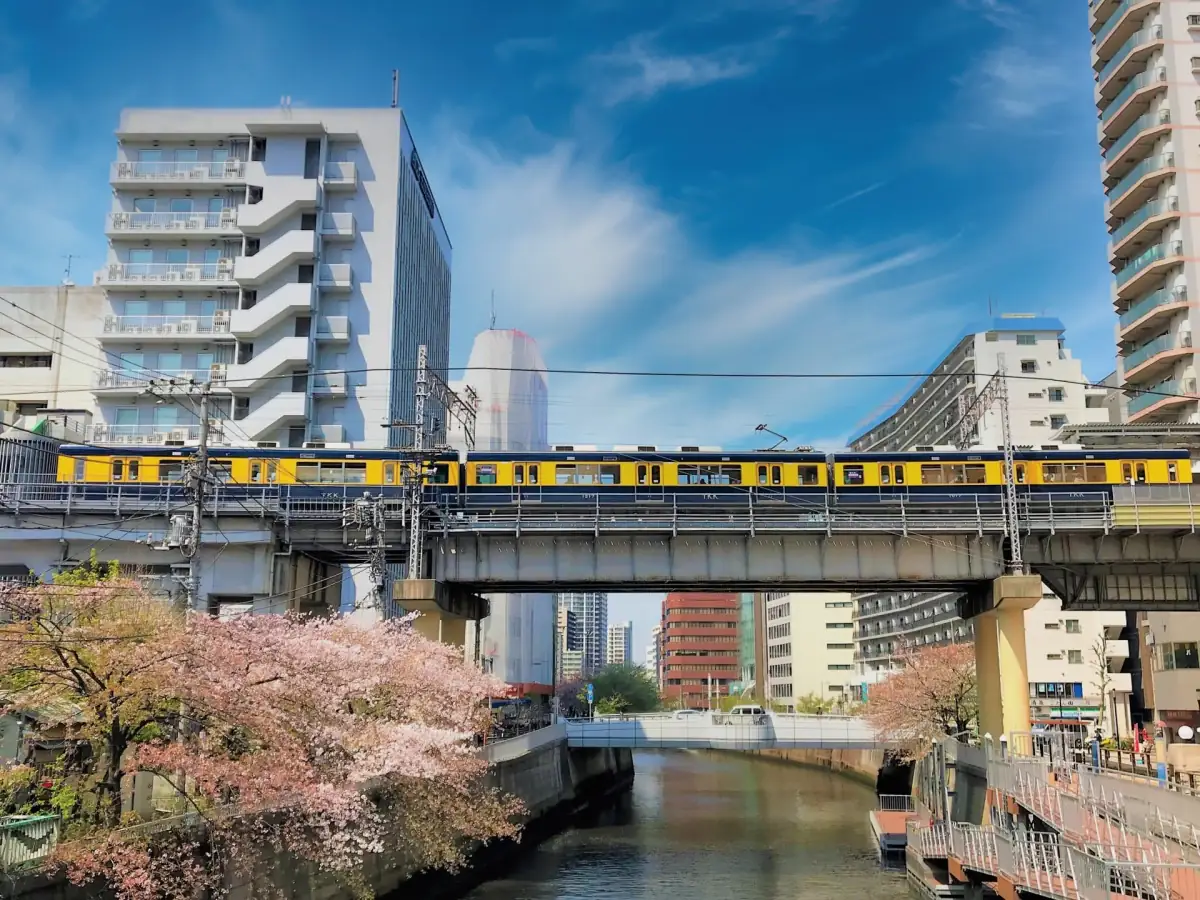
719 826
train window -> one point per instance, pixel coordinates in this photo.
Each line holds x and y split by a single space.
762 474
389 473
587 474
641 474
899 470
222 469
331 473
485 474
810 475
171 470
441 473
1019 473
1126 472
118 470
351 473
518 474
1074 473
80 470
656 474
308 472
776 475
1172 472
954 473
885 474
133 470
852 475
1140 470
533 473
710 475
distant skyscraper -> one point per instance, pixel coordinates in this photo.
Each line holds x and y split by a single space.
653 652
570 644
592 612
507 373
620 644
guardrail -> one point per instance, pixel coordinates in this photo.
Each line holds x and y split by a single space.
26 839
896 803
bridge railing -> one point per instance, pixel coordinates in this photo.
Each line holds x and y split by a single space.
733 731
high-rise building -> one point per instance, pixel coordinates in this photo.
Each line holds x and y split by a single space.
1146 94
747 644
569 640
506 372
294 259
620 644
699 648
810 649
653 653
591 610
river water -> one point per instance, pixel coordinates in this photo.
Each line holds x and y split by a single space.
722 826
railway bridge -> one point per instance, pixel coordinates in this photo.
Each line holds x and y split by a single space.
271 549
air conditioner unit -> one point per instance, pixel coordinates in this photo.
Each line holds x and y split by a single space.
179 434
266 445
187 326
314 445
221 318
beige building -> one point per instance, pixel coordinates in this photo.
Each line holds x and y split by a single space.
1169 655
810 648
1144 56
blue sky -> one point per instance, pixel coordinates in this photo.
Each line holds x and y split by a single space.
719 185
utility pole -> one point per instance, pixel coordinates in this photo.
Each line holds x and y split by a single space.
198 482
1012 520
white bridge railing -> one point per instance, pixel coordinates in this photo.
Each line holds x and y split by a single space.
723 731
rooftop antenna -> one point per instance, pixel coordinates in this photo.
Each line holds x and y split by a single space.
395 88
492 327
67 282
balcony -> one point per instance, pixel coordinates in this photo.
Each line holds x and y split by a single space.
167 327
341 176
337 226
288 249
285 301
148 174
114 381
1161 350
1132 101
1116 649
285 355
1101 11
1133 144
335 277
329 434
1135 277
1121 25
288 407
179 276
1154 214
282 198
1129 193
1132 54
101 433
330 384
1146 312
333 329
1166 397
171 224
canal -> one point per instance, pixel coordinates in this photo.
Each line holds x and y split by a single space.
721 826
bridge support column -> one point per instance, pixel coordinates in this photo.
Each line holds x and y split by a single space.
1000 664
445 610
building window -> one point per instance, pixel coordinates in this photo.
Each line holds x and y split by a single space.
1058 421
1073 626
1026 340
25 361
839 604
1053 624
1056 395
839 646
1028 366
840 667
1036 422
839 624
1075 657
1179 656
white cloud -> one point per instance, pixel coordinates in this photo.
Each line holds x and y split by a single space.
1016 82
638 70
854 195
596 267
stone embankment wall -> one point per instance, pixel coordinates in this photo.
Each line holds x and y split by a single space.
861 765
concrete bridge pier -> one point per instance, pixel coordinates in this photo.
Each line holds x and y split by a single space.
1000 663
445 608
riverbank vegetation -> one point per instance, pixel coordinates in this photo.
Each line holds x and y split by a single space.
185 753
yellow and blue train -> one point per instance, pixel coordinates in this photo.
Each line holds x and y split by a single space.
490 479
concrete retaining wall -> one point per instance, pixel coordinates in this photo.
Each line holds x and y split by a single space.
861 765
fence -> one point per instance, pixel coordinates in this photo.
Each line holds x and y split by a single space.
896 803
26 839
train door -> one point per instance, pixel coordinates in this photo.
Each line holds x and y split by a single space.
649 478
892 481
768 482
527 482
265 471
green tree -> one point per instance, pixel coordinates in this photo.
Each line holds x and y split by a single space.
629 685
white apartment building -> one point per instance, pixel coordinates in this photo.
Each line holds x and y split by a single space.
507 374
620 644
1144 55
652 652
1048 395
293 259
591 611
809 648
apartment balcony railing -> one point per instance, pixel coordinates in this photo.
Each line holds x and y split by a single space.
1147 211
335 225
333 328
167 326
1114 20
143 434
1159 345
335 276
343 174
145 222
219 170
176 274
1154 254
1154 76
1140 125
1137 173
119 378
1162 391
1150 302
1141 38
332 384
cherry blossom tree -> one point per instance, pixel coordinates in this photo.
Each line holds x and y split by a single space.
315 738
933 694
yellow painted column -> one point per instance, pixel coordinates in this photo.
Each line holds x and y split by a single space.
1000 662
442 627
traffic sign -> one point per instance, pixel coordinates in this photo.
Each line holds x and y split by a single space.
591 693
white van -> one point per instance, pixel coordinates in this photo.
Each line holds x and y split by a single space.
747 711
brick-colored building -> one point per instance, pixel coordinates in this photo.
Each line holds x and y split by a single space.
699 647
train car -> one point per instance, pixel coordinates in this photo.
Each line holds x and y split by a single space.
1091 471
643 476
303 471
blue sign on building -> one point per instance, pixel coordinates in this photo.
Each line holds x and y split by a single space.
591 693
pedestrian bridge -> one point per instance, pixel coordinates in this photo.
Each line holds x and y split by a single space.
719 731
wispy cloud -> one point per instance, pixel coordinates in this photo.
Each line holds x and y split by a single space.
513 47
1016 82
854 195
638 69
